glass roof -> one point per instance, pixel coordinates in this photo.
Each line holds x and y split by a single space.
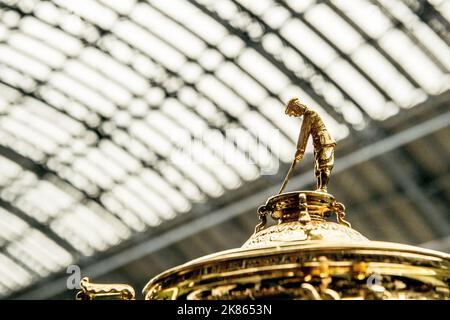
119 115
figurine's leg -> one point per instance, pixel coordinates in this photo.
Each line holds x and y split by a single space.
324 165
317 173
323 179
322 176
317 168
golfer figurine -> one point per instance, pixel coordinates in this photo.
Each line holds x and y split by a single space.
323 143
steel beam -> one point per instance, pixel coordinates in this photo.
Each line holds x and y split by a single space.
33 223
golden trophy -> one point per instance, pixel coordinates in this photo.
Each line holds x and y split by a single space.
301 255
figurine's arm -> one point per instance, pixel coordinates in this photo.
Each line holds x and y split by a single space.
303 138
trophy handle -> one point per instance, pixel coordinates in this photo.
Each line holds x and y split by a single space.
340 214
96 291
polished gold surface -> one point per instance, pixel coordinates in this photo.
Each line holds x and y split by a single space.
309 270
299 253
91 291
301 206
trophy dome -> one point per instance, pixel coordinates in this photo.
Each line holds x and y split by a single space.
304 256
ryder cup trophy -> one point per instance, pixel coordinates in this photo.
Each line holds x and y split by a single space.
298 252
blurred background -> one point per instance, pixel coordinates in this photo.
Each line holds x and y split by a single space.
115 117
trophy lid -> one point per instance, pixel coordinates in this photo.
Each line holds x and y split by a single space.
301 216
